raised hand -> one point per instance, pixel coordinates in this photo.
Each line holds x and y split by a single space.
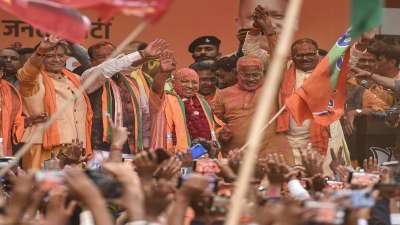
119 134
48 43
21 194
168 168
193 187
167 61
312 161
79 185
336 160
276 169
226 171
146 164
371 165
133 197
343 173
154 49
59 210
262 20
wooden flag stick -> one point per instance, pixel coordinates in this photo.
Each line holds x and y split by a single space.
269 91
91 79
266 125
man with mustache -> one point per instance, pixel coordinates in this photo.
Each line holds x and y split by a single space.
305 58
45 86
236 105
184 115
205 48
207 80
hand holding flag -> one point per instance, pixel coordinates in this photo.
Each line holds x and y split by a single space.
322 95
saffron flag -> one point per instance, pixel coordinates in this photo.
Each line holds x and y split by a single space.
152 9
49 16
322 95
365 15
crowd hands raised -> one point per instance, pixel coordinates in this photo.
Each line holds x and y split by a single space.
119 173
156 188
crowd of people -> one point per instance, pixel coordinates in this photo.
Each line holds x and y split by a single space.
149 143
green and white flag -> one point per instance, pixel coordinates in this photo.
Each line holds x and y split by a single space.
365 15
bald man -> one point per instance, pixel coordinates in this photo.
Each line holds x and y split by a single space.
184 114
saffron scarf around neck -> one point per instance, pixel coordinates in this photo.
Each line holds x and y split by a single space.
12 120
51 136
207 111
319 135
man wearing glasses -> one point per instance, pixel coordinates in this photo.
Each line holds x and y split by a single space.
305 58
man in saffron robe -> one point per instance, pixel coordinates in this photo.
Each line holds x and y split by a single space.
12 123
184 115
46 85
236 106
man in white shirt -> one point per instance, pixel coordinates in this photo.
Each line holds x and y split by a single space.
118 95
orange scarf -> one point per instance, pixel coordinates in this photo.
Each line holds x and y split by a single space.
319 135
171 118
51 136
12 120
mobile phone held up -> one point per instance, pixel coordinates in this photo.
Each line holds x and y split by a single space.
212 182
363 179
197 151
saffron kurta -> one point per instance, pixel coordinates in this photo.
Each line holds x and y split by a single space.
73 123
236 108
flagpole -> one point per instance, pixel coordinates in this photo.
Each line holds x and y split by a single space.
266 125
91 79
269 91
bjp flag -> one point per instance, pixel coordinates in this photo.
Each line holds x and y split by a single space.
322 95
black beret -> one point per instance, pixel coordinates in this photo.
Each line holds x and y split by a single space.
204 40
